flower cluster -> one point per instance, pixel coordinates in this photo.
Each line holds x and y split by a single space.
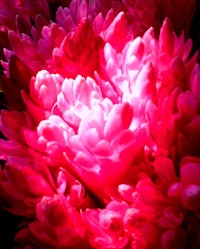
100 123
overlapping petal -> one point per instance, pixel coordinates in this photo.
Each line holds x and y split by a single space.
99 142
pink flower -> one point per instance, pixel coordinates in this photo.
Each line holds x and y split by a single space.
105 227
190 183
16 14
24 183
58 225
80 129
100 134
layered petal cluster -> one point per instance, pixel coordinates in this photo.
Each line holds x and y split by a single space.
99 134
75 130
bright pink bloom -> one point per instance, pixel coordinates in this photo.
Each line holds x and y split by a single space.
105 227
80 128
58 225
99 143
